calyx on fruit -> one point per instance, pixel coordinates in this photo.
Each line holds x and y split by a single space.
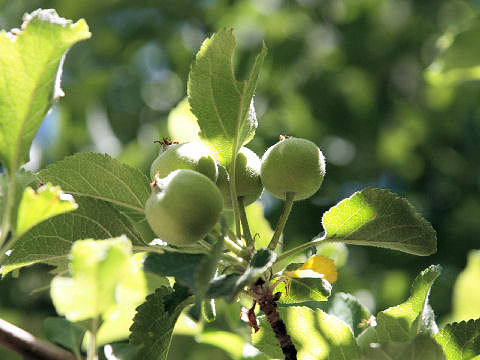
247 178
183 207
293 165
191 155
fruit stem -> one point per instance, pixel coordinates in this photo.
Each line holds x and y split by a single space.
287 207
233 246
233 193
5 229
314 242
243 218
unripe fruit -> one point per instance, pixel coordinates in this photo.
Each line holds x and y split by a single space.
183 207
192 155
293 165
247 178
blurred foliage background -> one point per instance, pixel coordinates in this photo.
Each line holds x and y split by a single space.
387 88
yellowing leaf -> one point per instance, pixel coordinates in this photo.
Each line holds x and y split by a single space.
316 267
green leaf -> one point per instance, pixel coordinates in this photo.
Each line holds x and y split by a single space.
303 289
180 265
377 217
64 333
423 347
101 177
50 241
403 322
104 274
40 205
460 341
466 292
130 293
231 343
30 69
154 322
316 335
347 308
223 105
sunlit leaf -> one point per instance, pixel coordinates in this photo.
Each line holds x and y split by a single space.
50 241
405 321
104 276
347 308
460 341
231 343
377 217
30 69
223 105
41 204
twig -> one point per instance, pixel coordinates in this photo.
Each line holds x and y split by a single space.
25 344
268 304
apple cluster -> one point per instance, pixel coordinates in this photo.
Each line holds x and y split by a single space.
190 189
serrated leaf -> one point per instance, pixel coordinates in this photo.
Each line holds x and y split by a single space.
403 322
347 308
377 217
64 333
41 204
315 334
466 292
316 266
154 322
30 68
101 177
50 241
102 273
460 340
223 105
180 265
423 347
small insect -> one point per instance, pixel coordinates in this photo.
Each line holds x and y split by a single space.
165 142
